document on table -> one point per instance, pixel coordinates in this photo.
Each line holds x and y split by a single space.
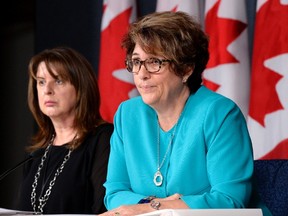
165 212
205 212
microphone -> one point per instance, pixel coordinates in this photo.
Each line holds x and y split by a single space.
36 154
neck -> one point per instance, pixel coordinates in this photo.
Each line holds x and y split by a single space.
63 137
169 117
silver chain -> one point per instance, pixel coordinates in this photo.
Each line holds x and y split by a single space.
42 200
158 177
169 145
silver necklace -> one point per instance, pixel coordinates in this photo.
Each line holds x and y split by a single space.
158 177
43 200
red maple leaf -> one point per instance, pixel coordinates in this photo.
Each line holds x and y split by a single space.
279 152
270 40
175 8
222 32
112 58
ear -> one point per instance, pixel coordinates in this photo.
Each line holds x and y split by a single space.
188 73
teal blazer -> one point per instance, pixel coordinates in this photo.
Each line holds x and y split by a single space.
210 161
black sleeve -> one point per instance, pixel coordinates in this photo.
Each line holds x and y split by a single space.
99 169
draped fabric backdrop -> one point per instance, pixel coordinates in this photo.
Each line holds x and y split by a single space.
115 83
268 113
257 83
228 68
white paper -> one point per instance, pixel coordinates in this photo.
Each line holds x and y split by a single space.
205 212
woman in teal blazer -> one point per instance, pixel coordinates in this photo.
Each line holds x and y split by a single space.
178 144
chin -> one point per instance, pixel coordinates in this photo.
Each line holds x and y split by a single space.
149 101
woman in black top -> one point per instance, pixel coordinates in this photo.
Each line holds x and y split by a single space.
72 145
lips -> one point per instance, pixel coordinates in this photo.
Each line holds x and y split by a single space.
49 103
145 86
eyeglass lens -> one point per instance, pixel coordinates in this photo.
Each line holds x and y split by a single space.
152 65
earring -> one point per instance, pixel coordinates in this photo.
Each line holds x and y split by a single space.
184 80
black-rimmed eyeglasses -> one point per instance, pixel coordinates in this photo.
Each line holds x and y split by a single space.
152 65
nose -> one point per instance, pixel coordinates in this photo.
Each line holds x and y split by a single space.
48 89
143 73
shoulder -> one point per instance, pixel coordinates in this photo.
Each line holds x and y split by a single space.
208 95
132 107
105 127
205 97
99 138
132 102
207 104
101 133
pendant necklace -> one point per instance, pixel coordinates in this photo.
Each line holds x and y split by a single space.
42 200
158 177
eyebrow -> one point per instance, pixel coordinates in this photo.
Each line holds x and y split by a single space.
39 77
135 54
56 77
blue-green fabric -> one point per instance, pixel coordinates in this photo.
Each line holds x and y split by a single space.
210 161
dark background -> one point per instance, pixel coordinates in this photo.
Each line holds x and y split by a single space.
29 27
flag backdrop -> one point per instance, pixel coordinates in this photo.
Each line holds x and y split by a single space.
115 83
189 6
268 113
228 72
228 68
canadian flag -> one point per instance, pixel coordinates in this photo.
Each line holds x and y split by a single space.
268 112
115 83
188 6
228 70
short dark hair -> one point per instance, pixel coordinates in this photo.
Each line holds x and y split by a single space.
176 36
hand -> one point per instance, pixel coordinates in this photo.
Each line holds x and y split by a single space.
129 210
175 196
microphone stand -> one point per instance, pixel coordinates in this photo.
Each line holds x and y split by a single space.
33 155
3 175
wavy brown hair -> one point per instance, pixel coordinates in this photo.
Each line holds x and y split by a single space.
73 67
176 36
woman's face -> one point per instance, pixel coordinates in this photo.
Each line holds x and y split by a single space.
57 98
158 89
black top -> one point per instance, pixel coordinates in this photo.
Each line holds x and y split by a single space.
79 188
